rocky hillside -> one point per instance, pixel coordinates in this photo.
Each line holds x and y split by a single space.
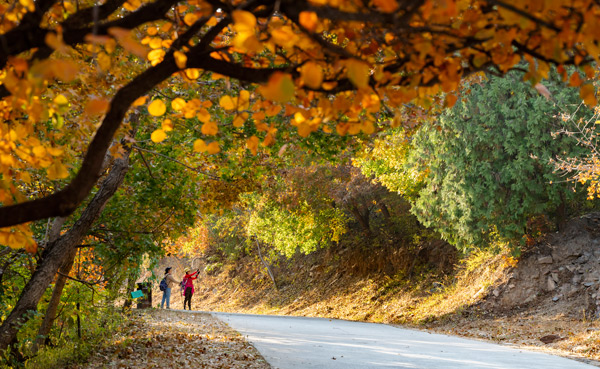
558 276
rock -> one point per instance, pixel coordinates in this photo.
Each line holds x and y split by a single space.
571 268
555 298
551 338
576 278
588 284
545 259
496 292
551 285
554 277
583 258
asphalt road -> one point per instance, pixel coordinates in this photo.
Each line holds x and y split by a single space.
302 343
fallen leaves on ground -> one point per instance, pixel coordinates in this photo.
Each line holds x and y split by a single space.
176 339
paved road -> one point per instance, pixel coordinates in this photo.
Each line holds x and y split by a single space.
303 343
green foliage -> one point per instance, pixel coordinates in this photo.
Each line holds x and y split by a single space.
385 160
99 326
302 229
486 161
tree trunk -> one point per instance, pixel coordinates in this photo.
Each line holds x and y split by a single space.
384 210
56 252
362 217
50 314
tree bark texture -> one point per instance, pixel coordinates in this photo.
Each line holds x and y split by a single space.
50 314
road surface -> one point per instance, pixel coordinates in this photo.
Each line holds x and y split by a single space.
303 343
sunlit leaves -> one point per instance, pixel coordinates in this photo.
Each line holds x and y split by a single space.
180 59
280 88
311 74
210 128
308 20
157 108
244 24
57 171
158 135
358 72
125 38
588 94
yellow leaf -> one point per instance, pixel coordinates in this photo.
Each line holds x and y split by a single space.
200 146
273 110
213 147
29 4
57 171
190 18
167 125
61 100
311 74
280 87
155 43
358 72
308 20
140 101
226 102
157 108
192 73
304 130
180 59
156 56
203 115
96 107
39 151
104 61
243 20
55 151
575 80
56 42
244 100
158 136
240 119
125 38
178 104
284 36
25 177
210 128
588 94
252 144
450 100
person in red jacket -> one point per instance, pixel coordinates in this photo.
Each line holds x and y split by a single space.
188 287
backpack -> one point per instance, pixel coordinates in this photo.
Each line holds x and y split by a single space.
183 283
163 284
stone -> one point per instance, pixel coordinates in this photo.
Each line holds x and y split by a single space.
551 285
554 277
571 268
496 292
576 278
555 298
588 284
583 258
545 259
551 338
